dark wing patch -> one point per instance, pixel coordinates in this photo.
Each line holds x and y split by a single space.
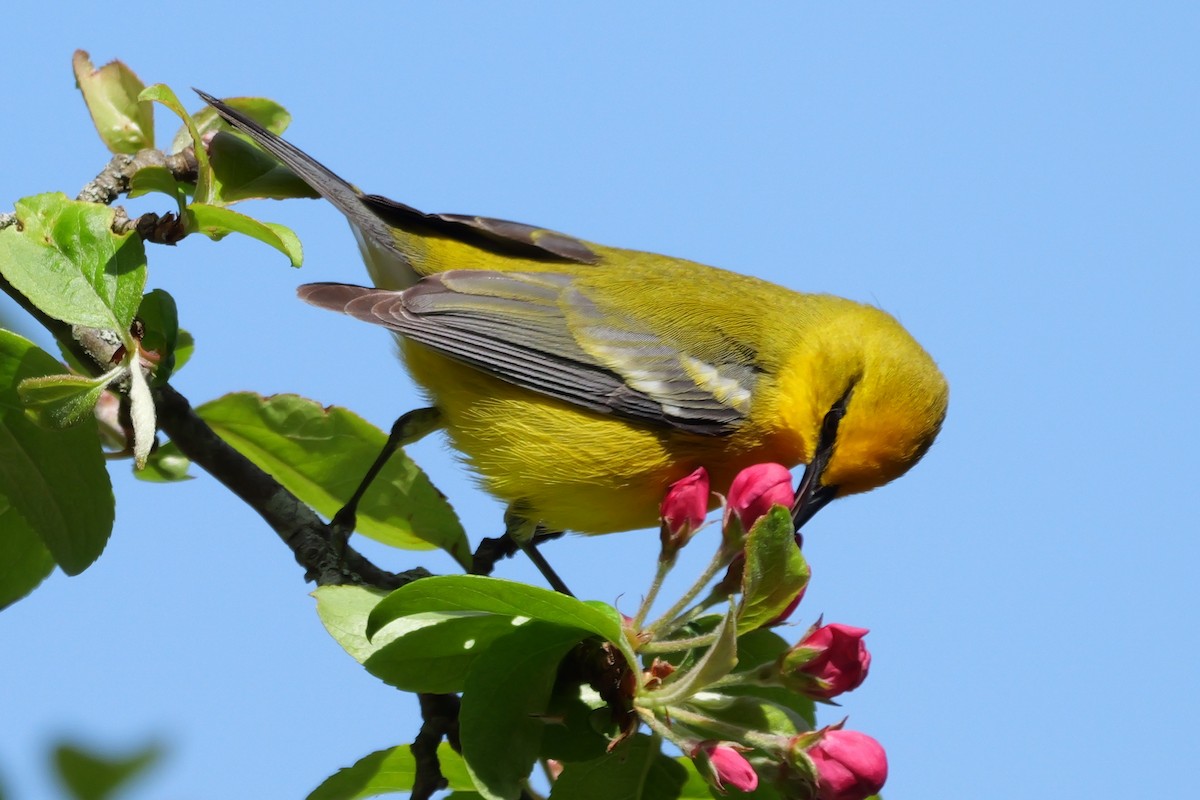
496 235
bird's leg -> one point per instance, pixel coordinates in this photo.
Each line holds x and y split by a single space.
407 429
519 534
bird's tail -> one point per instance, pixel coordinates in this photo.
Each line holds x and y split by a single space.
389 266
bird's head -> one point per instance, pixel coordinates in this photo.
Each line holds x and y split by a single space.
879 407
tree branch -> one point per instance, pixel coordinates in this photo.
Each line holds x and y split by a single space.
439 713
326 560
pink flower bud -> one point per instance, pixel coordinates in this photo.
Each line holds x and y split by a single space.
850 765
683 510
828 661
755 490
726 766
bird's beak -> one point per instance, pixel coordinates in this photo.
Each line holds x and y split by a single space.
812 495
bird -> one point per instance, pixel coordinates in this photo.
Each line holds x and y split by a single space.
579 381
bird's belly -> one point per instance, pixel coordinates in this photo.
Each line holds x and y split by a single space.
572 469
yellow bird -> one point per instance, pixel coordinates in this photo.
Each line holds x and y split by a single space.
580 380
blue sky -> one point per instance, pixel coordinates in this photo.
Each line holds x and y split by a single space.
1016 183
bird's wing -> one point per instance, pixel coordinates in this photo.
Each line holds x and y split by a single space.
543 332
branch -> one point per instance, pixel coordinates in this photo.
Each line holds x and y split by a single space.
114 180
326 560
440 715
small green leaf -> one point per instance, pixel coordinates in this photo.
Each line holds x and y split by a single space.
90 776
160 321
343 611
717 662
60 401
204 186
467 594
775 570
267 113
185 345
216 222
758 647
389 771
24 560
165 465
763 646
636 771
55 479
158 179
64 257
244 171
321 454
506 693
125 124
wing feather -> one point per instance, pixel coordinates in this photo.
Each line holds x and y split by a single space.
544 332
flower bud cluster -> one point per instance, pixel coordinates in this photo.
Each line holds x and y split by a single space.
698 699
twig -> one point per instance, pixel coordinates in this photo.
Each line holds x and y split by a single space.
301 530
440 715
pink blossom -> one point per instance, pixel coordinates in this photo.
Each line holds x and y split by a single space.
850 765
756 490
728 766
683 510
828 661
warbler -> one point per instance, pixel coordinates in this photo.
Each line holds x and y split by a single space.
580 380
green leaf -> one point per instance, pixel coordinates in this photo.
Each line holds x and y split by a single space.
760 647
437 658
696 788
389 771
185 345
165 465
216 222
60 401
775 570
244 171
64 257
204 186
240 169
90 776
506 693
636 771
422 653
267 113
158 179
580 725
160 321
24 560
321 454
481 595
125 125
717 662
55 479
343 611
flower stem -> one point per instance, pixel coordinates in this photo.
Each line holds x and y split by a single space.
676 645
664 566
668 621
661 729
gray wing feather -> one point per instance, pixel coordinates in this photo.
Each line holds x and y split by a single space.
541 332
